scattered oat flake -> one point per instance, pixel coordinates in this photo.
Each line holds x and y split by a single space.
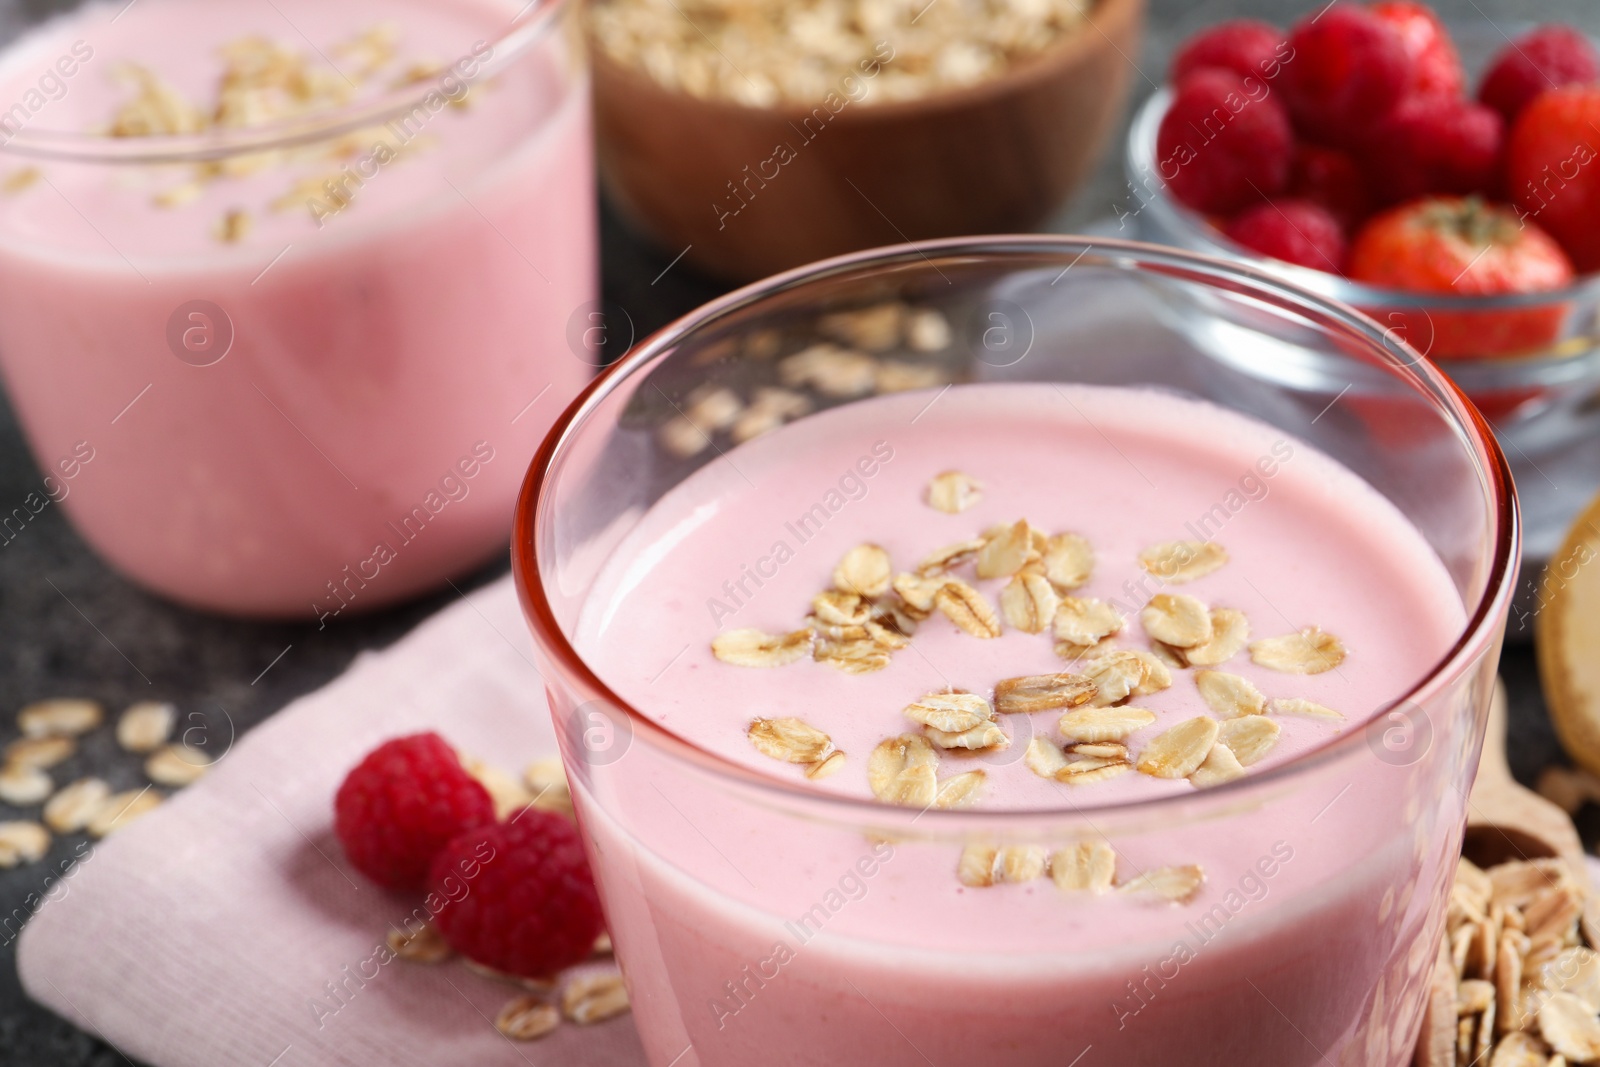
1157 676
927 330
120 809
790 740
976 867
829 766
968 609
527 1018
546 779
1570 1027
1044 758
425 945
875 329
864 571
1250 737
1104 724
1230 631
1021 863
1042 692
960 790
1004 553
1068 561
40 752
1296 706
712 408
1083 621
1311 651
1230 695
682 438
1219 766
1179 751
1088 866
941 560
953 492
145 726
1029 603
841 609
983 736
917 592
950 711
507 793
902 770
22 842
18 180
594 998
59 718
1177 620
753 648
73 806
1177 884
1122 673
1183 561
830 370
177 765
23 787
1086 771
854 654
233 227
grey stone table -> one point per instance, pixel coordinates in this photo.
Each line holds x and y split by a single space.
69 625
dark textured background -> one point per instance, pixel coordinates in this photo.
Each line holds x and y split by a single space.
69 626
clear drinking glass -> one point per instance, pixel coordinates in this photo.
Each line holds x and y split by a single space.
1313 942
296 368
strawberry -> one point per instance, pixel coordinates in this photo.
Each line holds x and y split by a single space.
1466 247
1435 64
1553 169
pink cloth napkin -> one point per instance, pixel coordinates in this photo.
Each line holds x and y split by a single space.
209 931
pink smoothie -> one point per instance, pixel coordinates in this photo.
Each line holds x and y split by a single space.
753 936
398 299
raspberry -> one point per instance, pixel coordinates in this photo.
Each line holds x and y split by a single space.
1435 145
517 897
402 804
1295 231
1219 149
1348 71
1553 170
1331 179
1435 63
1550 57
1244 46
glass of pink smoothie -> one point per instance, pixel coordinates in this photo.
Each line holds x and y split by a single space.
287 288
954 664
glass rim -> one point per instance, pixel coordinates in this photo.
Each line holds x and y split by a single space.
522 33
1476 635
1139 156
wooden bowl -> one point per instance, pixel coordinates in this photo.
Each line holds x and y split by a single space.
751 190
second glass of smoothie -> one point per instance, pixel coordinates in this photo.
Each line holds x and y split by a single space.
287 288
954 664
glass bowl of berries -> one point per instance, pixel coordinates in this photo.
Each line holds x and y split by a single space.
1444 180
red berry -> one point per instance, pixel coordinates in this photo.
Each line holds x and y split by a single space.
1553 170
1435 63
518 896
1348 71
401 805
1244 46
1550 57
1435 145
1332 179
1218 148
1295 231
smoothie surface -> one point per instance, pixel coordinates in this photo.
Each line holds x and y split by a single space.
749 540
